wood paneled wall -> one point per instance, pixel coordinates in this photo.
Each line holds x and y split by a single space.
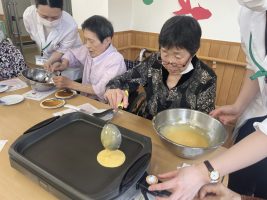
228 61
226 58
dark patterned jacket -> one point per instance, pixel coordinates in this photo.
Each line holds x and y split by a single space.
195 90
11 60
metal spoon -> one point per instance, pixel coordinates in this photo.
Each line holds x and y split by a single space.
49 76
49 80
111 137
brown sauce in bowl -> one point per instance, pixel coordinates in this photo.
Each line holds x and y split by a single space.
51 103
64 93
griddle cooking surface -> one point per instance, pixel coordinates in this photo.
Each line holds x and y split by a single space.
70 155
67 150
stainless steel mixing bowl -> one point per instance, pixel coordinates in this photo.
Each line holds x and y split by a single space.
39 79
215 131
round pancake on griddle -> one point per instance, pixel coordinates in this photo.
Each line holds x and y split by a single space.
111 159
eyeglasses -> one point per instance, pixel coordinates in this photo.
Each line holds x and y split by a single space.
173 64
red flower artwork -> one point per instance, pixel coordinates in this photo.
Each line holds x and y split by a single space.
198 12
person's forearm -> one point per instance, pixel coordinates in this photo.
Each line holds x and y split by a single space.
130 80
56 56
82 87
65 63
248 92
248 151
244 197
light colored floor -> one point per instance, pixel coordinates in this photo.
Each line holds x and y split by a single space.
29 53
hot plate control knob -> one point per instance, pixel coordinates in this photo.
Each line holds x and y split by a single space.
151 179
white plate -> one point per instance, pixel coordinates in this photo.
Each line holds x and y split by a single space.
3 88
52 103
62 94
12 99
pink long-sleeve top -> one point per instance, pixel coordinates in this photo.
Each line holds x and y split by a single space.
97 71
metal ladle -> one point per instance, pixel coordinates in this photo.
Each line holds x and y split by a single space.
111 137
110 134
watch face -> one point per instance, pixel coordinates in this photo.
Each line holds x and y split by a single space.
214 175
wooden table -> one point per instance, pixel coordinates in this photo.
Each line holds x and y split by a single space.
16 119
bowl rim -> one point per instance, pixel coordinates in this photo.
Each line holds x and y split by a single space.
181 145
31 82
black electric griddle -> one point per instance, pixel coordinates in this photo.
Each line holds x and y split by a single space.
60 153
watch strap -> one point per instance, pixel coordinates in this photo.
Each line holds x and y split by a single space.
209 166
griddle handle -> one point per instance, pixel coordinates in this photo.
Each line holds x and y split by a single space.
41 124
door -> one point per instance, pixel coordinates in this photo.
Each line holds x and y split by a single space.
13 11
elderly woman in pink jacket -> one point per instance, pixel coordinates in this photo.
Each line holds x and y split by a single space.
100 59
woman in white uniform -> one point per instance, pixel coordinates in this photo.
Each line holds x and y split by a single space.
53 30
186 182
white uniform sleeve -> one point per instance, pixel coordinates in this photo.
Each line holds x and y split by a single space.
248 61
27 20
71 40
255 5
261 126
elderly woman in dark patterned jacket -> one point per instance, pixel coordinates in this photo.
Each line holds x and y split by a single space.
173 77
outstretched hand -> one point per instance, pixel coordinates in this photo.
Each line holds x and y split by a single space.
228 114
115 97
217 192
57 66
62 82
184 183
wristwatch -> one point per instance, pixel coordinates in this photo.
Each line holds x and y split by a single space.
213 174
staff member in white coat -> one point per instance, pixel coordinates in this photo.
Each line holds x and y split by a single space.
53 30
186 182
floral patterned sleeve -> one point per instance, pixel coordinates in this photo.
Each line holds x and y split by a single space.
11 60
131 79
207 96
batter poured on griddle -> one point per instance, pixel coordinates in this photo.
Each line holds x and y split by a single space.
111 159
111 156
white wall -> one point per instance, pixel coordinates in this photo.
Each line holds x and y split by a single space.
82 9
135 15
120 14
150 18
221 26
